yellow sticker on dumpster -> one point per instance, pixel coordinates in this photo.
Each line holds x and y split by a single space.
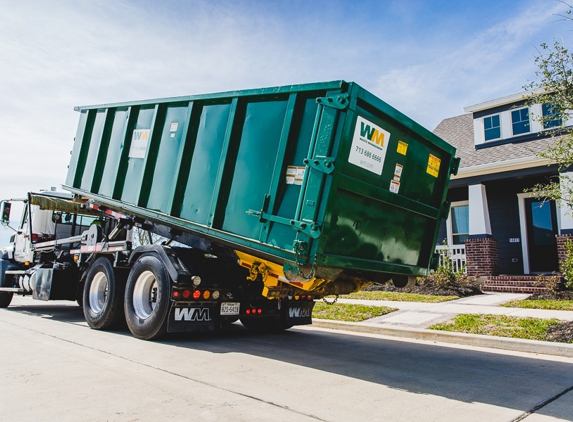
402 147
433 165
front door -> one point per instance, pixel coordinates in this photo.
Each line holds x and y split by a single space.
541 231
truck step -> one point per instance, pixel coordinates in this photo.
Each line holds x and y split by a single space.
11 290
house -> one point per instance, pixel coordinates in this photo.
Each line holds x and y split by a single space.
494 226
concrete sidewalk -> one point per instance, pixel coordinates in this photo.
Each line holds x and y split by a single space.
422 315
413 318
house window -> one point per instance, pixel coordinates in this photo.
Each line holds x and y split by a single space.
460 220
550 117
520 121
492 127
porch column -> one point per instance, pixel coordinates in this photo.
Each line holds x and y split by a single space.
481 248
479 213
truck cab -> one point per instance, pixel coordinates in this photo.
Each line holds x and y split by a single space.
51 225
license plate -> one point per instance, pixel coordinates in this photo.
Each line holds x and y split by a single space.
230 308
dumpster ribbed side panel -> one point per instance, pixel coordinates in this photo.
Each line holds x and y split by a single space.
199 185
109 164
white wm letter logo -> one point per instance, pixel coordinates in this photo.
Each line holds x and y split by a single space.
192 314
298 312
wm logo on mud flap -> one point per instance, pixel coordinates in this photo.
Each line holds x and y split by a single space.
192 314
298 312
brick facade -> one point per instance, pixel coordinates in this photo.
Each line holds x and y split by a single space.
482 257
561 251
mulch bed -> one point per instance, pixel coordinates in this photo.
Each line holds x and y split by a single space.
562 333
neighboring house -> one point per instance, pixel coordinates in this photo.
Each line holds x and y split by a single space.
494 226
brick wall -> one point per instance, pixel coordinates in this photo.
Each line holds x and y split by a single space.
482 257
561 238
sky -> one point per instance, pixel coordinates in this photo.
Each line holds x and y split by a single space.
427 58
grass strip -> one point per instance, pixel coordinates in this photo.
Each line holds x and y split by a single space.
347 312
499 325
554 305
398 297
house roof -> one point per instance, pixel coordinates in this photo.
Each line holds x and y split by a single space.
459 131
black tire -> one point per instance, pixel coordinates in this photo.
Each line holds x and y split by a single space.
103 295
147 298
5 299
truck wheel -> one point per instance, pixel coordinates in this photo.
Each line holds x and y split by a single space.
147 298
5 299
103 295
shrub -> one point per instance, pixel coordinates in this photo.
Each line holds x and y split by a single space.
446 276
552 282
566 265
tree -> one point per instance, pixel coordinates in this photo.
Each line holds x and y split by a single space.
554 89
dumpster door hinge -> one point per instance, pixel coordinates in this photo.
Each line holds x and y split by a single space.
310 228
455 165
320 163
339 101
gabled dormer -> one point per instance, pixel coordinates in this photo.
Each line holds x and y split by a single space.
509 120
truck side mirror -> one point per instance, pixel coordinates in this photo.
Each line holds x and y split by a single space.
5 212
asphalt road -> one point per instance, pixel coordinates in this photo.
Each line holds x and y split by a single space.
53 367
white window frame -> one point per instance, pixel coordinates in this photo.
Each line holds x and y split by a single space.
449 225
528 120
500 127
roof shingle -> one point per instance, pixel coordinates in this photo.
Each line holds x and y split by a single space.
459 131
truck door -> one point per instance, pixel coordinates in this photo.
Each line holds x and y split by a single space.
36 226
22 244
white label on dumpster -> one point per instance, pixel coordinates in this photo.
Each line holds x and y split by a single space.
295 175
139 143
369 146
394 186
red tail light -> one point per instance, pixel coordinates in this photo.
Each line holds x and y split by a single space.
196 294
186 294
248 312
259 311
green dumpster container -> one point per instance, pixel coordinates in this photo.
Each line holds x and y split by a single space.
323 180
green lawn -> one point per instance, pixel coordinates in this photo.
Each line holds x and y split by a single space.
498 325
556 305
347 312
398 297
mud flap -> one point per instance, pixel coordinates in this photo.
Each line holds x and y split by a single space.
191 317
299 312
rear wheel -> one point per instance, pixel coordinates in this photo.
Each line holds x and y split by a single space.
103 295
5 299
147 298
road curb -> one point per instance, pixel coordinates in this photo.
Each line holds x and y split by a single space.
518 345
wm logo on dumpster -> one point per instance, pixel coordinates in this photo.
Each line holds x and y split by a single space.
372 134
298 312
192 314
